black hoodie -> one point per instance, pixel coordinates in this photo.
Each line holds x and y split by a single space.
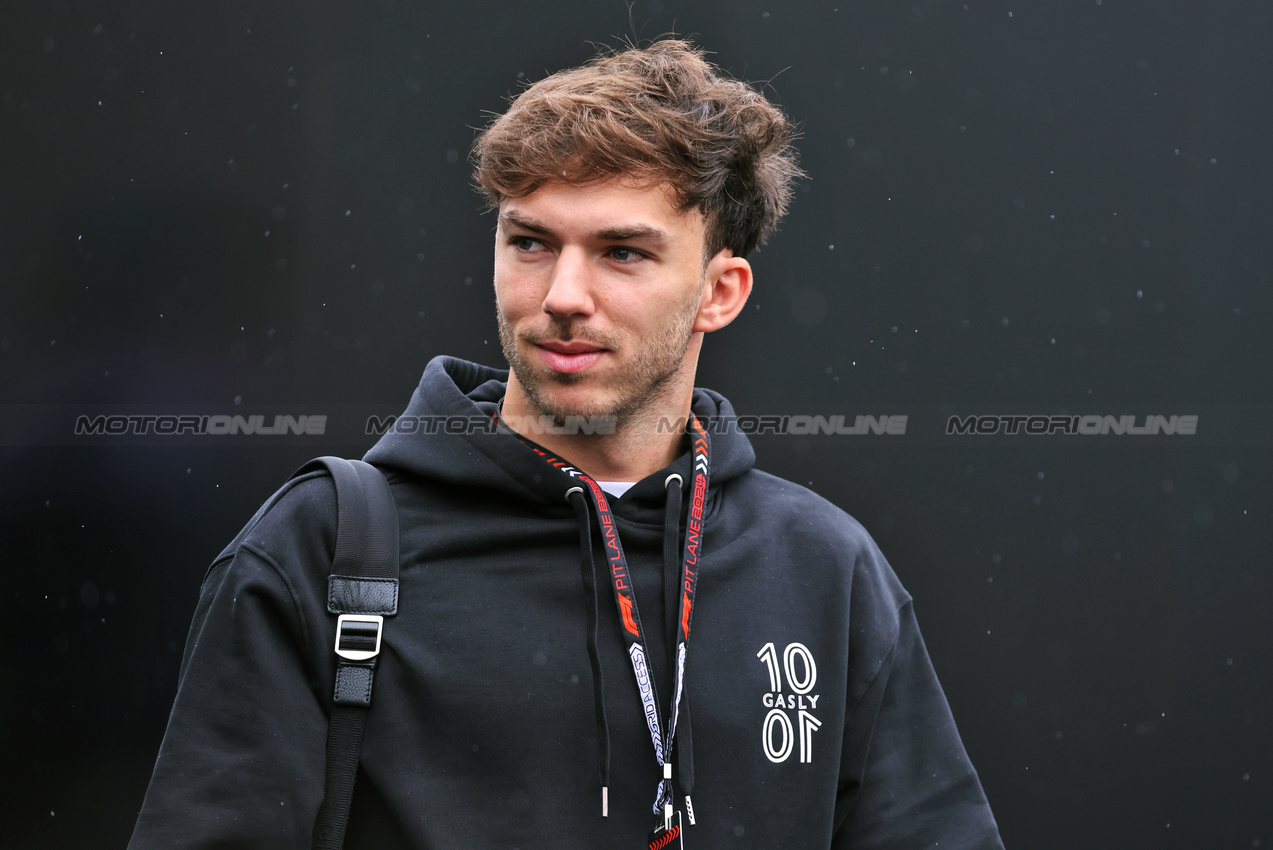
812 714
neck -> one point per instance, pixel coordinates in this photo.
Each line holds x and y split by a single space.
640 444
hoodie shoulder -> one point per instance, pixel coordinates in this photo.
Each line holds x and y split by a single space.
774 513
800 508
296 525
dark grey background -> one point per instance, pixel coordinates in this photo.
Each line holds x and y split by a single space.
1037 207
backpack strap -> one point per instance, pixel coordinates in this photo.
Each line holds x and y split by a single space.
362 590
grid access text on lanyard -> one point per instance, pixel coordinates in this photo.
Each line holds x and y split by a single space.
630 618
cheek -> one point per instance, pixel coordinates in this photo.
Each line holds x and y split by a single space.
514 292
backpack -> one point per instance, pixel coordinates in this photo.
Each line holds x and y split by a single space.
361 591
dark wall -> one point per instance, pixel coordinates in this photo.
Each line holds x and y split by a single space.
1050 209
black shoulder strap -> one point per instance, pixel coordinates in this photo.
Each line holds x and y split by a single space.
362 591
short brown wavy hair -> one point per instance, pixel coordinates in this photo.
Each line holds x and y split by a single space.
660 113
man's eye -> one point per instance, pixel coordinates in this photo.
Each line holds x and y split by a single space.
625 255
524 243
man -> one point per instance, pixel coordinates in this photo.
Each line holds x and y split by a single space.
760 680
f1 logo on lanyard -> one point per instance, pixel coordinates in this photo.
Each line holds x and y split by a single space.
668 833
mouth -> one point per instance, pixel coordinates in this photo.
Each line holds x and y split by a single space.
569 358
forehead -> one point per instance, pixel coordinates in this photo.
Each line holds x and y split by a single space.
612 207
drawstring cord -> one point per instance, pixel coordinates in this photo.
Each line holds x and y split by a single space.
671 545
587 572
671 588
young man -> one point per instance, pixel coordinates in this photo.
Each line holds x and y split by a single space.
514 705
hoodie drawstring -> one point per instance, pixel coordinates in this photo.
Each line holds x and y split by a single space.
587 572
671 596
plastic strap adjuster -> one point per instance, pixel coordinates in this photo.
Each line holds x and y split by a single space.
358 636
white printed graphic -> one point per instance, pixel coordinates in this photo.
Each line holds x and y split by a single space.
777 719
770 656
808 725
779 735
799 651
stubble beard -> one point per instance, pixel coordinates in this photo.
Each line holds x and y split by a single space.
642 382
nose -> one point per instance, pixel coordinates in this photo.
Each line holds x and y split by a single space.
570 285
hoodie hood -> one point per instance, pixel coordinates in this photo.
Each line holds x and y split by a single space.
447 433
450 433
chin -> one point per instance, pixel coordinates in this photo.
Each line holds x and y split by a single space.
550 393
559 409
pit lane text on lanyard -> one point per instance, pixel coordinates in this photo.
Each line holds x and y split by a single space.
630 619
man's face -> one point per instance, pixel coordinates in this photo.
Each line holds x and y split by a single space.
597 289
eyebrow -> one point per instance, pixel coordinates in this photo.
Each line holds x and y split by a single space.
642 232
520 221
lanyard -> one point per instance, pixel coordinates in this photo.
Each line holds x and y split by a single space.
629 614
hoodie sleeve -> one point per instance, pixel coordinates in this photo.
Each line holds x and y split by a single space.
242 760
906 781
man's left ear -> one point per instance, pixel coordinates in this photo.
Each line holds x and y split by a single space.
727 285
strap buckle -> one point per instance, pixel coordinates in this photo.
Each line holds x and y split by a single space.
358 636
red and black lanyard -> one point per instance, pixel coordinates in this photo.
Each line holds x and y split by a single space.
629 615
